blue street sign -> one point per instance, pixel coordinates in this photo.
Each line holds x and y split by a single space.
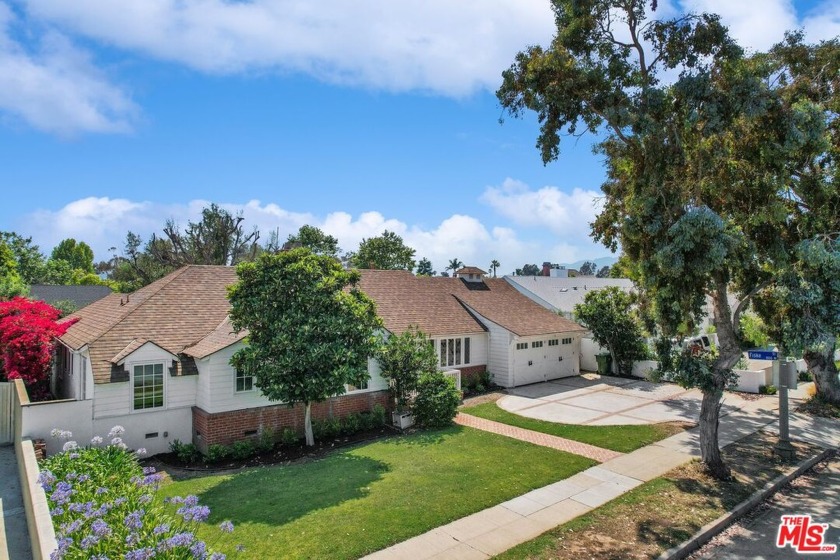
763 355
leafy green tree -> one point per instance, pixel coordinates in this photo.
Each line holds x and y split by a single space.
608 313
529 270
315 240
385 252
699 170
804 311
588 268
424 268
454 265
30 260
78 255
218 238
308 345
604 272
754 332
494 264
11 284
403 358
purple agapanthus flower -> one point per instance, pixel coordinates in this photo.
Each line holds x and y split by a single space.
199 550
46 479
55 512
195 513
226 527
100 528
101 490
181 539
218 556
96 440
89 541
134 520
140 554
161 529
116 431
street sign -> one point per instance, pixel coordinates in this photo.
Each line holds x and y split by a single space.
763 355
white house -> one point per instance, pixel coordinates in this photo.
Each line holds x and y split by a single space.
157 361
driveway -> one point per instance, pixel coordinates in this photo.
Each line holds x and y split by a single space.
598 401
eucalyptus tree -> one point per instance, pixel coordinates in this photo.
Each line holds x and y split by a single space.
697 144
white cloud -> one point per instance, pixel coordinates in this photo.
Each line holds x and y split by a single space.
453 48
565 214
103 222
56 88
823 22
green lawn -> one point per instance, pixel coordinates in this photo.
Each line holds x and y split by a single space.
356 501
617 438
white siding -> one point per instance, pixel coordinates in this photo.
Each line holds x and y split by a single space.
499 344
478 349
169 425
180 391
216 384
111 399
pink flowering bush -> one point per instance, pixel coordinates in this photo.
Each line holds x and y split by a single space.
103 506
28 333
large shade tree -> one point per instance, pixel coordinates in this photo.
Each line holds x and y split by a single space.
315 240
308 343
697 144
384 252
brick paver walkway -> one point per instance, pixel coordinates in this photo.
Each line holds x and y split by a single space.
570 446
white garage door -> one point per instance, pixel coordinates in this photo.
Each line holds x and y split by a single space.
542 360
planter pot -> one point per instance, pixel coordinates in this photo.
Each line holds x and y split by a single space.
402 420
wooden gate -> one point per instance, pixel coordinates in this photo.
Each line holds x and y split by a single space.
7 415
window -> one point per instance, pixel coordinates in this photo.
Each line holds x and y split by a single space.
521 345
351 388
567 340
148 386
537 344
454 351
244 381
553 342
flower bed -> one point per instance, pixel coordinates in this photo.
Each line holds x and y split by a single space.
103 505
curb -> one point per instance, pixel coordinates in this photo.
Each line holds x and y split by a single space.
712 528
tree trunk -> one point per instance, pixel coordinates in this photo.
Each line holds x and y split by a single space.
307 424
821 365
615 367
728 354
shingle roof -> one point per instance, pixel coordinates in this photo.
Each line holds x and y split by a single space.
175 312
79 295
439 306
470 270
221 337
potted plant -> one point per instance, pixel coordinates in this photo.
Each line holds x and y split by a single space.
403 358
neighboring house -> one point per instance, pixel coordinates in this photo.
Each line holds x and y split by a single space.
478 324
80 296
158 361
561 294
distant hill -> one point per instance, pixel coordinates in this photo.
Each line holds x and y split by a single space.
602 261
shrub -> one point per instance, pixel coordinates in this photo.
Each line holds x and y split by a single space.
318 428
186 452
379 415
242 449
368 421
767 389
332 427
102 504
288 436
352 423
437 400
266 440
805 376
217 452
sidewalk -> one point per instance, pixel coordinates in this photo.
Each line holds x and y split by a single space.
14 536
494 530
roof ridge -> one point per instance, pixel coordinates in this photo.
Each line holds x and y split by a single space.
169 279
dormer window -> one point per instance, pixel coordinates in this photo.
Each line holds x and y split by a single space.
470 274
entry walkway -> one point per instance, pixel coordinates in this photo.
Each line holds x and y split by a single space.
494 530
14 536
546 440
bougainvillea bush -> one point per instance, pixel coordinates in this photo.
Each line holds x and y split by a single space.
103 506
28 333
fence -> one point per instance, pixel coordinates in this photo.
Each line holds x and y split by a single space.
7 423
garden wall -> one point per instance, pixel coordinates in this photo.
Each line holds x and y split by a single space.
227 427
750 380
38 520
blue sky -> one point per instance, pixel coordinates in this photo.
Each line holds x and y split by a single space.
354 117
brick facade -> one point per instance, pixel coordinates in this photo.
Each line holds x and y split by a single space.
228 427
469 373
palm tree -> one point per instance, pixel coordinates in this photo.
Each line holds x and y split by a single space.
454 265
494 264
